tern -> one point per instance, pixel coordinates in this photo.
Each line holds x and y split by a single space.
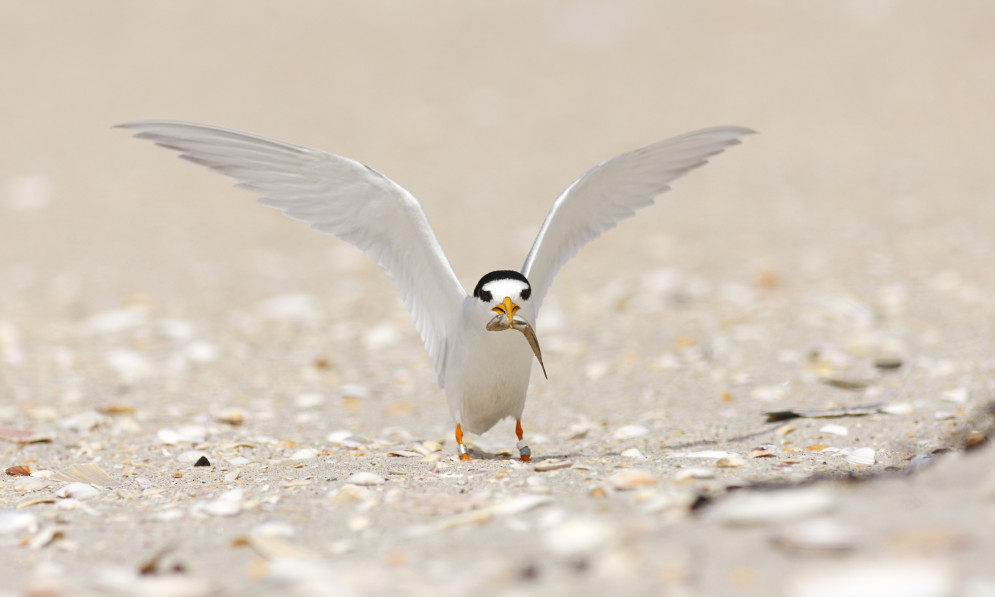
485 373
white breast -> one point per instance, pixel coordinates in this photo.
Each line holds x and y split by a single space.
487 373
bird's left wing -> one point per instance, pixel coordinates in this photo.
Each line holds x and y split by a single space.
337 196
611 192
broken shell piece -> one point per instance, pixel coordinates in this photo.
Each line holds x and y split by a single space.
79 491
228 503
365 479
577 538
630 432
232 416
762 507
730 461
27 484
693 473
84 473
816 534
14 522
552 464
19 471
631 479
910 577
862 457
834 429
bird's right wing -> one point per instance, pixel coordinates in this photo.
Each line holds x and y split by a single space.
611 192
337 196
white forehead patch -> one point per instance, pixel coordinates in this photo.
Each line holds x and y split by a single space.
502 288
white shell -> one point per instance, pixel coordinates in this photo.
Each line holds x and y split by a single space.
79 491
762 507
365 479
817 534
632 478
912 577
861 456
15 521
630 432
577 537
834 429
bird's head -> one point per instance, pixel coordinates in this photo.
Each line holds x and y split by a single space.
507 293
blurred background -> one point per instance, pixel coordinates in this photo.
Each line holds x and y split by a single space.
870 177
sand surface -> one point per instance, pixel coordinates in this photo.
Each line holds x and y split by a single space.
152 315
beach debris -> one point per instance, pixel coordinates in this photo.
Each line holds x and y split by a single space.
834 429
84 473
630 432
634 454
202 461
185 434
78 491
578 537
693 473
507 507
745 508
435 504
29 483
819 534
552 464
822 413
19 471
766 451
305 454
228 503
23 436
861 457
909 577
16 522
956 395
349 493
632 478
365 479
231 415
731 461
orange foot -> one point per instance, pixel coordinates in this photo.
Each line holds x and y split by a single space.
463 454
526 458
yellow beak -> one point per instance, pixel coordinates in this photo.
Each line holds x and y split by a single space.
508 309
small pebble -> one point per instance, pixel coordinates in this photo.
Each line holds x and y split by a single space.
634 454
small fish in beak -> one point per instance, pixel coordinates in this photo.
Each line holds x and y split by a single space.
506 320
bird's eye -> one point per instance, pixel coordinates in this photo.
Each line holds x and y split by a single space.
526 294
485 296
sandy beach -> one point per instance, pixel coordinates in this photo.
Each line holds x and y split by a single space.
200 396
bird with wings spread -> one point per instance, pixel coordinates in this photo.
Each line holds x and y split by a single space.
485 373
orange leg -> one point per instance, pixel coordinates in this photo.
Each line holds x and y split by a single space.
463 454
523 448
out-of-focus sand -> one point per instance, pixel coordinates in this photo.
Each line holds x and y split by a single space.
138 294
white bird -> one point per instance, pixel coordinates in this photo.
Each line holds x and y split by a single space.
485 375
